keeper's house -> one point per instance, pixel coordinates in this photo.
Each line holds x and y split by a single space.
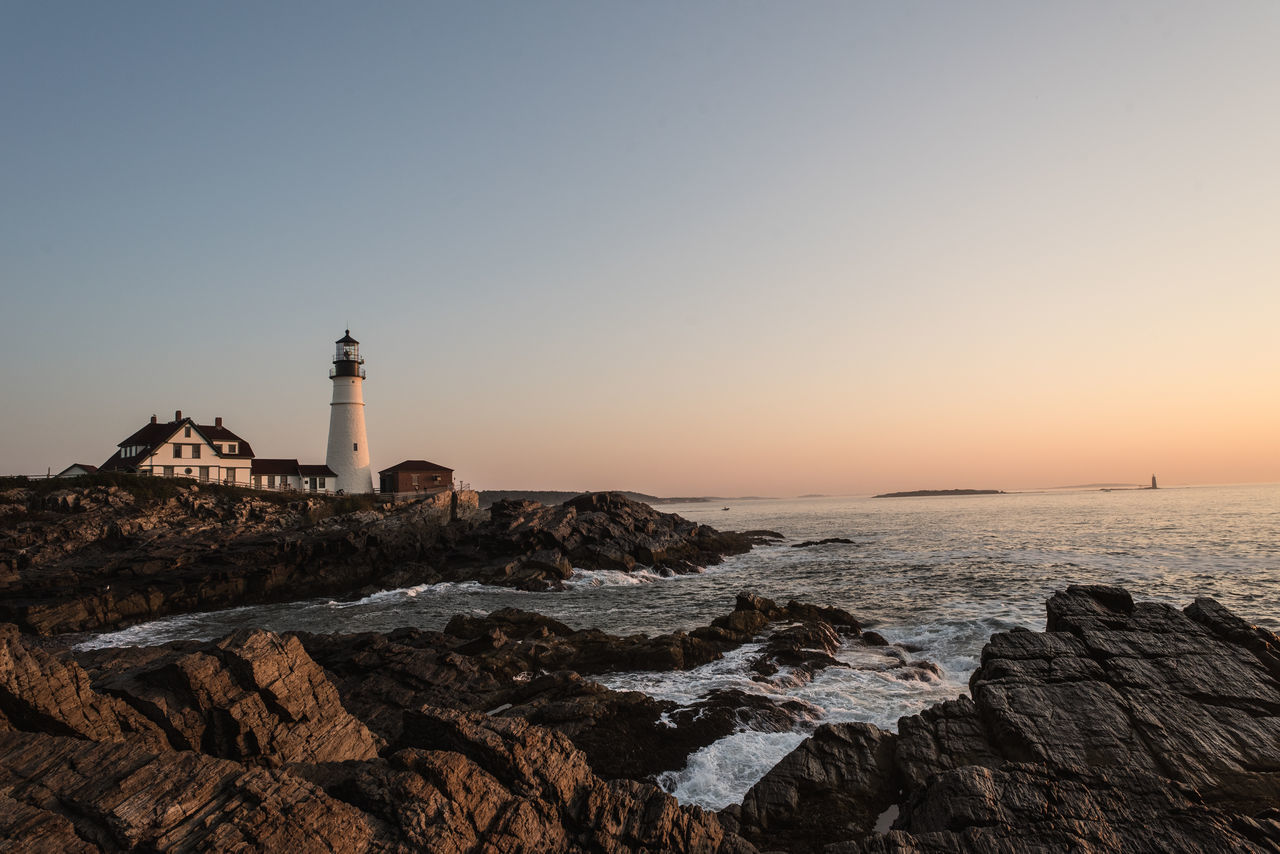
415 477
183 448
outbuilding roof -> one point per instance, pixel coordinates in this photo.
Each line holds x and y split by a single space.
414 465
321 470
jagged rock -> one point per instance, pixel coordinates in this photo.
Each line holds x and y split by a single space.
39 691
600 531
1125 726
126 796
251 695
455 781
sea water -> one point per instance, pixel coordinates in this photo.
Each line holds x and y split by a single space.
938 575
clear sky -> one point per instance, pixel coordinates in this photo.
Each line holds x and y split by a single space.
725 248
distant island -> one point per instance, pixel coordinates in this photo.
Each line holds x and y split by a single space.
926 493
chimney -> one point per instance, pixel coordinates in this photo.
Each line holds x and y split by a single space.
153 419
177 415
217 422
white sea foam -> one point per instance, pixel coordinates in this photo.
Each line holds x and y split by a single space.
686 687
182 627
721 773
878 686
444 588
612 578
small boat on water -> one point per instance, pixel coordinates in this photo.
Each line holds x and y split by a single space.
724 508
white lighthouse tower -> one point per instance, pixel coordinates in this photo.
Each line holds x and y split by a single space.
348 454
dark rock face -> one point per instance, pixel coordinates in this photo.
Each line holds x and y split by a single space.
1125 726
844 541
830 787
93 558
535 546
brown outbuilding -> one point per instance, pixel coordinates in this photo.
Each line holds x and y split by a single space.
415 476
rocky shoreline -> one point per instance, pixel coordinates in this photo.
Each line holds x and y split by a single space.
1124 726
97 557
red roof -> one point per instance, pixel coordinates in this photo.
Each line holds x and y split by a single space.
414 465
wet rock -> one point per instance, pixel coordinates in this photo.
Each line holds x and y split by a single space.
873 638
823 542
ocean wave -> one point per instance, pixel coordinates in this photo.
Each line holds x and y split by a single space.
687 687
613 578
441 589
180 627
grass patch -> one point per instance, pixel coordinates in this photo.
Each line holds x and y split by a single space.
148 489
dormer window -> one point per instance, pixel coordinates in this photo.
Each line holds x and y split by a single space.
231 448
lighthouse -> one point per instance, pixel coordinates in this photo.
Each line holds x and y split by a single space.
348 454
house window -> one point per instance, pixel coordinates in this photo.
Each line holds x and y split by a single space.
168 471
322 483
355 446
195 452
204 474
435 478
271 481
186 471
231 448
177 451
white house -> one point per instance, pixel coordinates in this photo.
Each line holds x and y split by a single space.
183 448
290 474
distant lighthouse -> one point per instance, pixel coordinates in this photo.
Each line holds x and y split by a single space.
348 454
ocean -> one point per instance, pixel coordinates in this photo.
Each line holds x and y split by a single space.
939 574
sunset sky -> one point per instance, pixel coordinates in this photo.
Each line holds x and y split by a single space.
684 248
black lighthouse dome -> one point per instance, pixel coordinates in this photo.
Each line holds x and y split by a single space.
346 358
